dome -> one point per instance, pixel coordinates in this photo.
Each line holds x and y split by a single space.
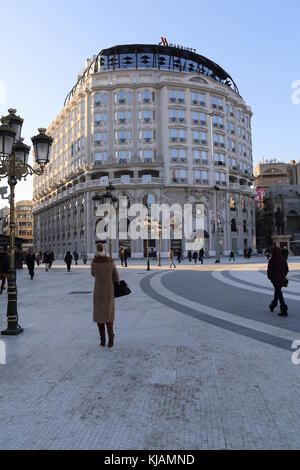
153 56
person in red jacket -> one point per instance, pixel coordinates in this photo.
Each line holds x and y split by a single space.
277 271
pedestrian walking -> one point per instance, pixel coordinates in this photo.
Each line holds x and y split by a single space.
76 257
121 255
47 260
246 253
267 253
285 252
68 260
125 255
105 273
179 256
51 258
30 261
189 255
231 256
201 255
84 258
171 258
195 256
4 268
249 252
38 258
277 271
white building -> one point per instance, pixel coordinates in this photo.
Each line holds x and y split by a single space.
161 124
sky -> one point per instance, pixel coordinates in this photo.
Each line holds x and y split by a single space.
44 45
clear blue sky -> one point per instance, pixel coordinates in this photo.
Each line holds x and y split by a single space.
44 45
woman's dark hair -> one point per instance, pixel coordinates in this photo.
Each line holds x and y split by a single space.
276 253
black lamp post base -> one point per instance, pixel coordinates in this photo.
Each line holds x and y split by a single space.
12 331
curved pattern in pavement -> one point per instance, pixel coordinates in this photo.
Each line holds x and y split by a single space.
152 286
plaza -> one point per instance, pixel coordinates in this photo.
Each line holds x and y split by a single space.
199 361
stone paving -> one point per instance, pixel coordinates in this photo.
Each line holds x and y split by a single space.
198 363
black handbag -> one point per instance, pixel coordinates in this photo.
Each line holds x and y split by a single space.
121 288
285 283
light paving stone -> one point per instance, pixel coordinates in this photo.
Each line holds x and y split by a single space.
170 382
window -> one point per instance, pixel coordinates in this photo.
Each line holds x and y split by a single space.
233 225
179 176
97 99
172 95
232 204
146 96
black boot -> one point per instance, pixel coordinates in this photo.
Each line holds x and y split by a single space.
101 328
272 306
283 311
110 331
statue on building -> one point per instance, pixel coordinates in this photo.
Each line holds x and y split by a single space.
279 223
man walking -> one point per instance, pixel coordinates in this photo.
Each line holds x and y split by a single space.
171 258
231 256
30 259
68 260
195 256
201 255
285 252
76 256
125 255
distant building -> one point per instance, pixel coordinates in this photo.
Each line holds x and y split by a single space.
4 220
268 173
283 199
24 223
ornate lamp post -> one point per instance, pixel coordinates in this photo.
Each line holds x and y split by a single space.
14 166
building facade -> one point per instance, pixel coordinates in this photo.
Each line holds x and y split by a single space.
161 124
24 223
4 220
270 172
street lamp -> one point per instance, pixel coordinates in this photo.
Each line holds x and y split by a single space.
216 188
14 166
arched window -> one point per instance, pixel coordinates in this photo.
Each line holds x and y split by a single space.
233 225
244 207
148 200
232 204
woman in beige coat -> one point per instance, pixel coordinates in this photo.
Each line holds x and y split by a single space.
105 273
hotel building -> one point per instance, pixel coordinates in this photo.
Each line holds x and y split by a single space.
161 124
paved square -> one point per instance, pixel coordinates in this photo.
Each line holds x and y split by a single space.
199 362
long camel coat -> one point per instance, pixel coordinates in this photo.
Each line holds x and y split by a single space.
105 273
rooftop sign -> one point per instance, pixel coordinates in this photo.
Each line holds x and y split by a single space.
164 42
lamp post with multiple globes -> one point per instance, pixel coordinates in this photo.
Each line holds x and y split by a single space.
14 166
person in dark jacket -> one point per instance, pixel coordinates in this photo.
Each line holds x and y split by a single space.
201 255
4 268
231 256
195 256
125 255
30 260
68 260
76 257
190 255
277 271
285 252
